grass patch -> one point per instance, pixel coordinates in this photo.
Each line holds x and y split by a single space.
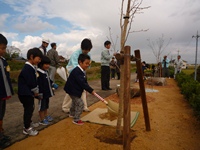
93 73
188 71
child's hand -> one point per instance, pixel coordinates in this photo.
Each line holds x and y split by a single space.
40 96
93 92
36 94
55 86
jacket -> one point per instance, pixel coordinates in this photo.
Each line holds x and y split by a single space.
105 57
76 83
44 83
3 92
27 81
73 61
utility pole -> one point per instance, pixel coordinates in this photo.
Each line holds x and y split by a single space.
197 36
178 52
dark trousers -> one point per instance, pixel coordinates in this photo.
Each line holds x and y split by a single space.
165 72
28 104
112 73
105 77
118 75
2 108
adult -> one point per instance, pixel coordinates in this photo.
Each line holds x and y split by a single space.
178 64
43 47
53 56
105 66
165 66
86 46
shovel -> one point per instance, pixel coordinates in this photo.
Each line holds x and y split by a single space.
111 105
99 97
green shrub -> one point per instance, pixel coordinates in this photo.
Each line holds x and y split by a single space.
188 88
182 77
191 90
194 101
16 65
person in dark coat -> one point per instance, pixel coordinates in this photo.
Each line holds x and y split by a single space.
45 90
75 85
6 90
28 89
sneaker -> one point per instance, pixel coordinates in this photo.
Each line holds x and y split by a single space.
49 118
30 131
80 122
34 124
66 110
44 122
86 110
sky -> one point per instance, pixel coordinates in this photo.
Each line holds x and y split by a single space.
26 22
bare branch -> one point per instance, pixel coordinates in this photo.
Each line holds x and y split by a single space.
158 47
135 8
142 30
111 39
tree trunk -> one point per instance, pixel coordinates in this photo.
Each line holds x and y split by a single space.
123 38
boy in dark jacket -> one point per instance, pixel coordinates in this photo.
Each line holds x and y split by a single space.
6 90
28 89
75 85
45 90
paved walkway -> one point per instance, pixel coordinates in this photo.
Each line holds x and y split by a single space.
13 120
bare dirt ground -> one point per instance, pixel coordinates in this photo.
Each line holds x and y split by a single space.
173 127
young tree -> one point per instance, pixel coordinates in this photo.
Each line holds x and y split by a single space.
126 20
111 39
12 52
158 47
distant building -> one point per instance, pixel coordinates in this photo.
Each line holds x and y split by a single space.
184 64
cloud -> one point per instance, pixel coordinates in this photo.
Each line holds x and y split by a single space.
68 22
32 24
67 43
3 18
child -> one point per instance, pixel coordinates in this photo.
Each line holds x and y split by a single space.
75 85
45 90
6 90
28 89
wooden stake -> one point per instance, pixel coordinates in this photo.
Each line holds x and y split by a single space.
142 89
126 96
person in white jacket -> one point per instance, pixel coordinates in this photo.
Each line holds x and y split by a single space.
178 64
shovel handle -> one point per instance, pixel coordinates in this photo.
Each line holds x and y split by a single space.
99 97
